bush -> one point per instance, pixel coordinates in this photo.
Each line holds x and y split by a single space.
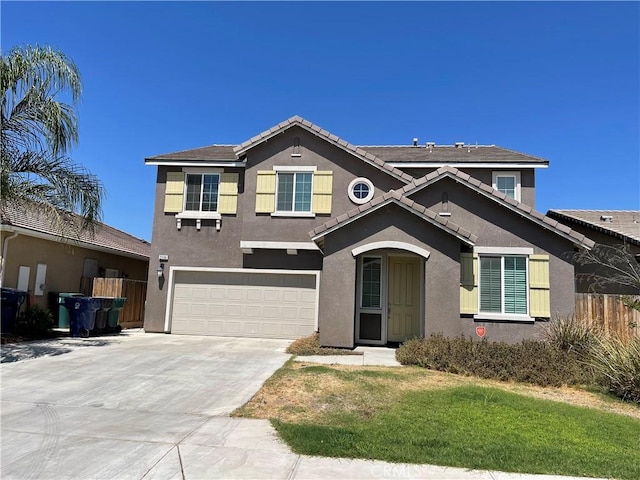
617 366
311 346
530 361
569 334
34 322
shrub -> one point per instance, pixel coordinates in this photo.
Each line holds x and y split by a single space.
311 346
617 366
530 361
569 334
34 322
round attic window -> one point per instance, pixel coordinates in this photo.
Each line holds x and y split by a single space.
361 190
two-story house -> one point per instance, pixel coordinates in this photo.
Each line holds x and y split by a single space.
296 230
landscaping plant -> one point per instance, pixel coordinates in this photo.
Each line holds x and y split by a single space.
34 322
617 366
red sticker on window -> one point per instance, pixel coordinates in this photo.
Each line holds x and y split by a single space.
480 331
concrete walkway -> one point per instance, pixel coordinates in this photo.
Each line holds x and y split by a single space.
381 356
144 406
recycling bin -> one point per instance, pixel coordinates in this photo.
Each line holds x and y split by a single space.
114 314
11 300
63 311
82 314
103 313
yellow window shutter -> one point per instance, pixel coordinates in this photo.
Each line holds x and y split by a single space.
228 193
266 191
174 192
322 190
468 283
539 289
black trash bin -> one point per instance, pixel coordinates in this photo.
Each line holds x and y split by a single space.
102 314
11 300
83 315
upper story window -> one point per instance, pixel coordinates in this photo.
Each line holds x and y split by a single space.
201 192
361 190
507 183
294 191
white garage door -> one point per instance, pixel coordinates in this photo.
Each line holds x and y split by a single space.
242 304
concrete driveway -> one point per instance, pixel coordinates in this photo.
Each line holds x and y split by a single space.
117 407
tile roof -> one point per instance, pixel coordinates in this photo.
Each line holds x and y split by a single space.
500 198
406 203
623 224
104 237
400 197
329 137
212 152
451 154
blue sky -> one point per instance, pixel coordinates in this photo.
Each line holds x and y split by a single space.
556 80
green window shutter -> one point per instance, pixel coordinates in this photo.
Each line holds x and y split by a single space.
539 289
228 195
491 284
468 283
515 285
322 191
266 191
174 192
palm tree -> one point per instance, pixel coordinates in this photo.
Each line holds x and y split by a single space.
38 130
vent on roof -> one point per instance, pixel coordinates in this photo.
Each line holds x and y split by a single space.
415 141
459 144
606 218
430 146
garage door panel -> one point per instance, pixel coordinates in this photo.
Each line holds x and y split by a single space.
251 304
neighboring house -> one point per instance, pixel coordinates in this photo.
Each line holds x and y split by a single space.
606 227
37 259
296 230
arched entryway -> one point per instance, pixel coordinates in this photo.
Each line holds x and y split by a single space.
389 292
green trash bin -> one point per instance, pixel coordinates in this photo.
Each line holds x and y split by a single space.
113 317
64 320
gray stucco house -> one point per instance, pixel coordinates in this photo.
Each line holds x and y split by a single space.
296 230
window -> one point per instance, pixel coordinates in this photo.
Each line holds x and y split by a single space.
503 284
361 190
371 282
294 191
202 192
507 183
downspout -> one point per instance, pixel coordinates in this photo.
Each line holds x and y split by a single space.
5 247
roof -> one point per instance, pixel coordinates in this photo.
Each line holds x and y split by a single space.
622 224
329 137
30 220
404 202
401 195
451 154
383 157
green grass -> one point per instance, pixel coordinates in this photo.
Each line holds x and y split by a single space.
479 428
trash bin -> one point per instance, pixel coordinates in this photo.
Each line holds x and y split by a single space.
83 314
113 318
11 300
63 311
102 313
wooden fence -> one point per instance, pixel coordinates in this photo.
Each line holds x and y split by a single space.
608 312
132 315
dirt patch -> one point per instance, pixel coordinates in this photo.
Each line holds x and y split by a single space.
304 391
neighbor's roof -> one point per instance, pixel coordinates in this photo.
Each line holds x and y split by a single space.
29 220
384 157
623 224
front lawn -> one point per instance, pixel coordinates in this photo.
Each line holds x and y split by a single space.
416 416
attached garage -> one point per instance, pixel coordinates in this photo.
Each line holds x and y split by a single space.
242 303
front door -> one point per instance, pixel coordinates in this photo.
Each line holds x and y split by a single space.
403 319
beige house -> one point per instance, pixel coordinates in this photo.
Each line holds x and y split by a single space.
37 259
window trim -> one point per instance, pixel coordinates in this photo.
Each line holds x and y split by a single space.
352 196
491 252
514 174
294 170
186 186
